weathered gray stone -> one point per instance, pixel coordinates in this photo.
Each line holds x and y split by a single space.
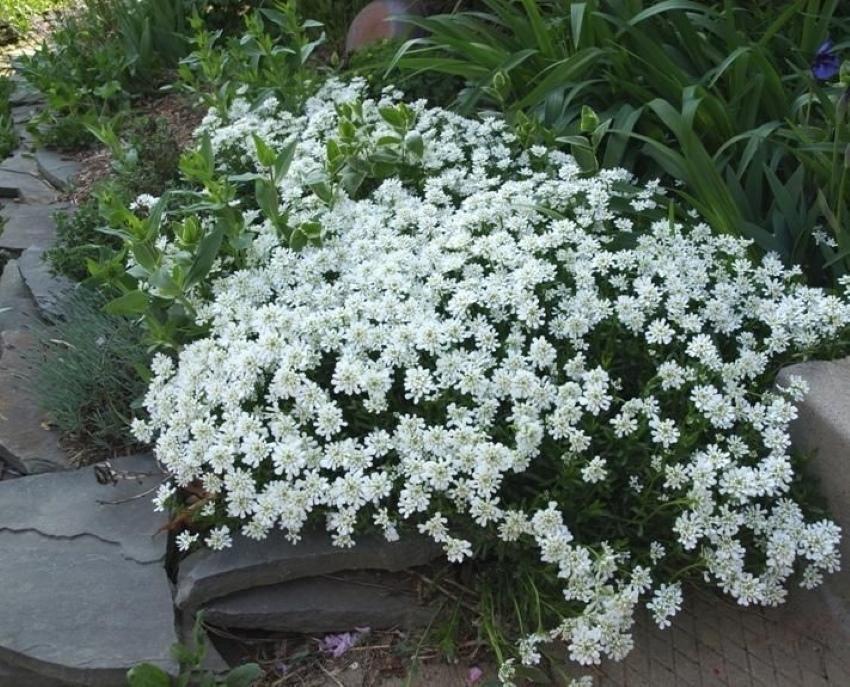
50 504
20 179
77 610
823 429
25 94
17 308
48 290
28 225
323 604
18 677
58 169
84 594
207 575
26 441
21 114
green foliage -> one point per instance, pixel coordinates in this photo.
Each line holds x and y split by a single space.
191 672
78 240
8 137
335 16
98 58
18 14
145 157
145 153
90 377
269 59
717 95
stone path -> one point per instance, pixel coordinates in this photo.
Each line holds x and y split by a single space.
29 294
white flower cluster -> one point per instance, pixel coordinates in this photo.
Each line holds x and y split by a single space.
495 318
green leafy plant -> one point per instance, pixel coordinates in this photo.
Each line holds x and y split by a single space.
78 240
269 59
8 136
17 15
716 95
91 374
98 58
192 674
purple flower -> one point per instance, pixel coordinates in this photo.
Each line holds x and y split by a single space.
337 645
826 64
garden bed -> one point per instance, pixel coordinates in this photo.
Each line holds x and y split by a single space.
454 309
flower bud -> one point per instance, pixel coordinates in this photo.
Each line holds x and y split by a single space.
589 120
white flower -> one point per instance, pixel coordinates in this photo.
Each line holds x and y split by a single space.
470 333
594 471
185 540
219 538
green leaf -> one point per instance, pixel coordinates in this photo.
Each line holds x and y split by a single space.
266 195
265 153
298 239
283 161
392 116
414 144
243 676
145 254
147 675
667 6
205 257
131 303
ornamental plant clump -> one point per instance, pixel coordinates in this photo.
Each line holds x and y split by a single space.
502 353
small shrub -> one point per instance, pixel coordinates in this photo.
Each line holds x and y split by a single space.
91 376
98 57
8 136
79 240
406 320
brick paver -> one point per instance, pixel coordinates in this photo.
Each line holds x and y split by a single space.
715 643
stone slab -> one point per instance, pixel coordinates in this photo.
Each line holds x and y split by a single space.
85 595
21 114
323 604
17 308
822 429
77 610
26 441
18 677
19 179
50 504
25 94
49 290
58 169
28 225
207 575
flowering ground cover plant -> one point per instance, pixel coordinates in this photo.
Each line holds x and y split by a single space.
425 327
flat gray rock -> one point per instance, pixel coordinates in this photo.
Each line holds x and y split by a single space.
26 441
323 604
17 308
207 575
28 225
25 94
48 290
20 179
822 430
57 168
78 610
21 114
84 594
50 504
19 677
